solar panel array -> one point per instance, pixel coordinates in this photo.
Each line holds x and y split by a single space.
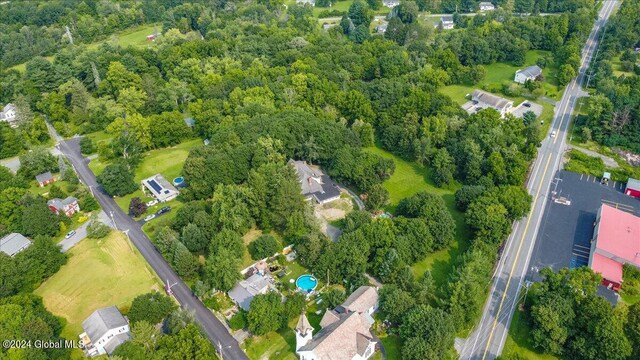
155 185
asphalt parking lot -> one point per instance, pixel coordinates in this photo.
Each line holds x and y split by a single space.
519 110
566 230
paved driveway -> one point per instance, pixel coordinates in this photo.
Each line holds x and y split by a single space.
81 232
215 331
13 163
525 106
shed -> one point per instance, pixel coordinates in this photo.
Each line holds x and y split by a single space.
633 188
13 244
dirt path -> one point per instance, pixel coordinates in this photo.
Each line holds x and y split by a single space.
608 162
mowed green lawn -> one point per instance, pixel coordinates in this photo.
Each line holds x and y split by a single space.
412 178
136 36
99 273
166 161
499 73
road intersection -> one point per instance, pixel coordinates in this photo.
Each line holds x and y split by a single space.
213 328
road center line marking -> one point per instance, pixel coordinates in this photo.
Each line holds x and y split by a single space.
504 294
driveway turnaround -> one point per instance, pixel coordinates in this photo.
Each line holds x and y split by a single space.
212 327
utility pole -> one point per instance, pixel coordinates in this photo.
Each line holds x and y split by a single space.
113 220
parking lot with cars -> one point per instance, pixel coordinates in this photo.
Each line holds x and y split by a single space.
566 230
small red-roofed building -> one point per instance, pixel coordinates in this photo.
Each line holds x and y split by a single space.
616 241
633 188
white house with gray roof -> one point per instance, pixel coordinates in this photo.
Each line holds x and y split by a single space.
13 244
315 184
243 293
447 22
486 6
104 331
8 114
529 73
158 187
390 3
345 333
483 100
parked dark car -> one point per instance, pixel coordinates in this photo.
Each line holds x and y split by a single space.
163 210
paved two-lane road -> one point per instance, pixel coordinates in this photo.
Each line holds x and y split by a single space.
213 328
487 340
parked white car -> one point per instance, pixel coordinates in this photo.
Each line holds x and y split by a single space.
70 234
150 217
151 203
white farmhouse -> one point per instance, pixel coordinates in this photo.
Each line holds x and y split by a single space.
104 331
447 22
486 6
8 114
529 73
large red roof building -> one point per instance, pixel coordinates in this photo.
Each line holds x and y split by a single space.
616 241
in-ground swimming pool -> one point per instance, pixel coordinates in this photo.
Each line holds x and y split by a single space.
178 181
306 283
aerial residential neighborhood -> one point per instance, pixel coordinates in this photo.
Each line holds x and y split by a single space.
320 179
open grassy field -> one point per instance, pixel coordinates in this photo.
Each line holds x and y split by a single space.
278 345
99 273
22 67
617 68
517 343
409 179
340 5
136 36
499 73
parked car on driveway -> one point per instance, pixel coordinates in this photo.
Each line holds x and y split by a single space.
149 217
70 234
163 210
152 202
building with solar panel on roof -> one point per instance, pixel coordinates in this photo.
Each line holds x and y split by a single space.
158 187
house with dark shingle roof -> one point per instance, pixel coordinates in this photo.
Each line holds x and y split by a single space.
345 333
529 73
315 184
45 179
104 331
14 243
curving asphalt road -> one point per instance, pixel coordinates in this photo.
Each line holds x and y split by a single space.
215 331
488 338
